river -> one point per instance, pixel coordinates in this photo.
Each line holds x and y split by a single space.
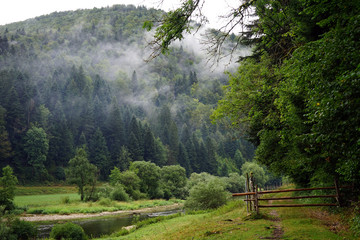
99 226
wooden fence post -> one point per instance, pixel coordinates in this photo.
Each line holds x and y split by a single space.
338 200
247 190
256 200
252 182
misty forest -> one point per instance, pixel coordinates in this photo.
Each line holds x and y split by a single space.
129 96
79 79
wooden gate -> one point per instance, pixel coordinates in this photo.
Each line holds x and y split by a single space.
253 196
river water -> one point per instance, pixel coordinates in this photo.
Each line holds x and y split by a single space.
100 226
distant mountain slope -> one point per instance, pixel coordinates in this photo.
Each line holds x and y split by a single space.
80 77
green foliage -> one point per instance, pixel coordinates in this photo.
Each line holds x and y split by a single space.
297 95
173 26
149 175
68 231
23 230
207 195
81 172
173 181
235 183
257 171
8 183
129 180
36 147
119 194
65 200
355 222
115 176
68 86
12 229
5 145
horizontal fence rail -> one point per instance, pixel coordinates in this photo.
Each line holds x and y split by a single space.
253 197
300 205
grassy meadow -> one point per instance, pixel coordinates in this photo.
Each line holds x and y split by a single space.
233 222
45 200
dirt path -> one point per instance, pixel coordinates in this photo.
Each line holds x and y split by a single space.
57 217
278 231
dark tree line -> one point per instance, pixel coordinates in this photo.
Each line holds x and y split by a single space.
50 107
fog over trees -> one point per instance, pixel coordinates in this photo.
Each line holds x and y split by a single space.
78 80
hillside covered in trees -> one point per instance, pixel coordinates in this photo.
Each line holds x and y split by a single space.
78 79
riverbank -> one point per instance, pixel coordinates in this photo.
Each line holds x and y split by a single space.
233 222
59 217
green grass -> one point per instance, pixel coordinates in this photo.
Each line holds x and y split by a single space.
224 223
233 222
44 200
44 190
55 204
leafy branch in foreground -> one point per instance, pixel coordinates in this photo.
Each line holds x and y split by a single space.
173 25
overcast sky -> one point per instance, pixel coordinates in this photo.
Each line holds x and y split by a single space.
19 10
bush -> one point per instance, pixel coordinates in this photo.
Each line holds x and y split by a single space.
65 200
119 194
68 231
23 230
355 221
207 195
136 195
103 191
105 202
235 183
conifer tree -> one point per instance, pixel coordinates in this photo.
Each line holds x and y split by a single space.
149 146
99 154
183 159
114 132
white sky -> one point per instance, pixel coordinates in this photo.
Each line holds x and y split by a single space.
19 10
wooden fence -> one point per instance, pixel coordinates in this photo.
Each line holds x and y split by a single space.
253 196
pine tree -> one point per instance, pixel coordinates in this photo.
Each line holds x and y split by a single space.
149 146
183 159
5 145
114 132
124 160
99 154
134 148
211 162
61 142
134 82
239 159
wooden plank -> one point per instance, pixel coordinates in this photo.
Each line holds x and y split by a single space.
298 205
242 194
299 197
280 191
295 190
286 190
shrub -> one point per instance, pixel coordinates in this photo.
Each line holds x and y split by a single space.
207 195
23 230
136 195
103 191
65 200
64 212
68 231
355 221
235 183
105 202
119 194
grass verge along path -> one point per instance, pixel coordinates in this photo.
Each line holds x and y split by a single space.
233 222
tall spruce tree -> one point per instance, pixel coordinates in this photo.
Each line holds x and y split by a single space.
99 154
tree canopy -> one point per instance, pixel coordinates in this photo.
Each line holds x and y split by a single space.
296 94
